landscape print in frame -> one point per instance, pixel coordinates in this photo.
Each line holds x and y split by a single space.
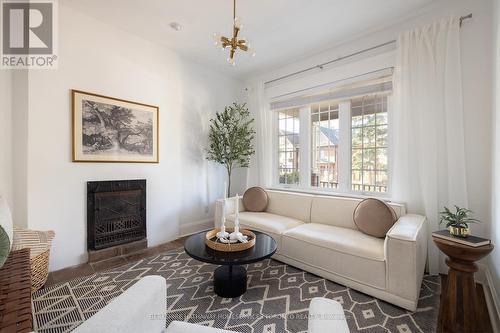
107 129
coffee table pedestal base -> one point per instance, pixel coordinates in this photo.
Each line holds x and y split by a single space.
230 281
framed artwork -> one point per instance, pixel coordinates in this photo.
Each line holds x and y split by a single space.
107 129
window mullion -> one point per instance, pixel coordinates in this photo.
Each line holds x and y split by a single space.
345 146
305 146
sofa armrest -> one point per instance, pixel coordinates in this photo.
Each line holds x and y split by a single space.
326 315
406 254
230 209
141 308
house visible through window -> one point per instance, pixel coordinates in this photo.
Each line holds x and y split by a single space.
336 141
324 144
288 152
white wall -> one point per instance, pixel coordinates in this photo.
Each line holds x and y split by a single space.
494 259
98 58
6 135
476 53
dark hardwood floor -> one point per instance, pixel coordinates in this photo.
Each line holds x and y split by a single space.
73 272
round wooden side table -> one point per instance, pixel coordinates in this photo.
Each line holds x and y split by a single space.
459 302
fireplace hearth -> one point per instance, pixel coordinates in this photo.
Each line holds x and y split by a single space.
116 212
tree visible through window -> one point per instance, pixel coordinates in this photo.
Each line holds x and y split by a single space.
369 144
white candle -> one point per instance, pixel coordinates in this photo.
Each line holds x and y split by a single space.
223 217
225 190
237 214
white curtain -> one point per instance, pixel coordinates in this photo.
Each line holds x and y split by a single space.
428 131
260 172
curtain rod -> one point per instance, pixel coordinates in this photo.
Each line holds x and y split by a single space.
321 66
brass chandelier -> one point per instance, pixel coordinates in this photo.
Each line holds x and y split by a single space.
234 43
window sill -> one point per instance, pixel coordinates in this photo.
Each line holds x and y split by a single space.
332 193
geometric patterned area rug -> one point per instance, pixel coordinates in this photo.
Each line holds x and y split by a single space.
277 299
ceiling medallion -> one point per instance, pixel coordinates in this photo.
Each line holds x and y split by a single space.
234 43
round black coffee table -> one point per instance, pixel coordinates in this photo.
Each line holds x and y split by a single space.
230 278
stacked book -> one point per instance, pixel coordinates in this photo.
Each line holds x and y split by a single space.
469 240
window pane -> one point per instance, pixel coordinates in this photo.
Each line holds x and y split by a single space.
382 136
382 180
368 177
282 126
288 150
282 142
369 141
369 120
369 159
357 138
324 144
357 159
382 118
382 159
369 137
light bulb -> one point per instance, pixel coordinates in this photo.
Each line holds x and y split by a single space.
251 52
217 41
237 23
231 61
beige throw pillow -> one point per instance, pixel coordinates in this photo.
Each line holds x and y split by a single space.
374 217
255 199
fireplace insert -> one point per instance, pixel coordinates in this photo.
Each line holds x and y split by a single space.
116 212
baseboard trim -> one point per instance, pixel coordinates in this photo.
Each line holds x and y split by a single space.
490 294
194 227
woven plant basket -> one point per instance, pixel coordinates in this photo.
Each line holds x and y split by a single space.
39 270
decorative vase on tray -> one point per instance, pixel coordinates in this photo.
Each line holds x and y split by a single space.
236 236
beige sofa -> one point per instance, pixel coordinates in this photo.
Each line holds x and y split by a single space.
317 234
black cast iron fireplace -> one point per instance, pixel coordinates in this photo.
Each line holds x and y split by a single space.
116 212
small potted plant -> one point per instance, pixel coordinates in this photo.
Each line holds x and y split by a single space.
457 222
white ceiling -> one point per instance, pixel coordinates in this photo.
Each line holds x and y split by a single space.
281 31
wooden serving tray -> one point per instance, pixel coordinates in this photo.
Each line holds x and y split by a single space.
233 247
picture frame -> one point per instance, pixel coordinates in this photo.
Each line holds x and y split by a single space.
113 130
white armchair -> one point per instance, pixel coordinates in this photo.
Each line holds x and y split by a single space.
141 308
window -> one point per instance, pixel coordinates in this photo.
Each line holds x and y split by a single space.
325 144
337 140
369 144
288 150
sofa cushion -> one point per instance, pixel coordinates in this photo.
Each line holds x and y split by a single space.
374 217
338 211
271 224
343 252
255 199
293 205
266 222
340 239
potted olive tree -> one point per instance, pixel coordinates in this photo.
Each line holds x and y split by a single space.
231 139
457 222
